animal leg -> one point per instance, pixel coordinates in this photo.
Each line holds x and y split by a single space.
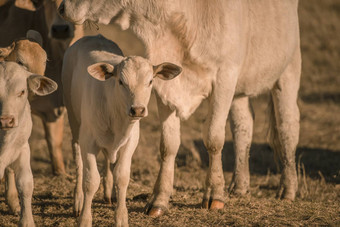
24 182
78 190
109 192
91 178
170 141
54 138
11 192
241 123
214 136
285 131
122 176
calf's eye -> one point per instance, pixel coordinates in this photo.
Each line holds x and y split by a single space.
20 63
120 82
21 93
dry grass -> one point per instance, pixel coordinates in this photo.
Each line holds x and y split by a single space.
318 154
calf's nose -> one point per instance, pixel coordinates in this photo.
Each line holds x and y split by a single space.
137 111
61 9
7 121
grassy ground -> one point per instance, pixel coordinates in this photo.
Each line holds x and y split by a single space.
318 154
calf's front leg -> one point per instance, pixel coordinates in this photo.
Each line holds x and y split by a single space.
91 177
11 193
24 182
121 175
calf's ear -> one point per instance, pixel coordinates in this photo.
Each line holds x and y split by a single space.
166 71
34 35
101 71
6 51
41 85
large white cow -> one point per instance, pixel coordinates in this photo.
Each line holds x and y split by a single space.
16 86
230 50
104 112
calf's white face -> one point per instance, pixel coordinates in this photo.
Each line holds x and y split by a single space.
16 85
133 81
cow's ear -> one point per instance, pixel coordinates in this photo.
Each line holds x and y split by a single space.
41 85
34 35
166 71
101 71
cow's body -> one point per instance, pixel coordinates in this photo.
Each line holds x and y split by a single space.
104 115
230 50
15 129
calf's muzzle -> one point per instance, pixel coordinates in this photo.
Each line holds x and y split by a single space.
7 122
137 111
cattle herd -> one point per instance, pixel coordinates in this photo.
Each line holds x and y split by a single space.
225 51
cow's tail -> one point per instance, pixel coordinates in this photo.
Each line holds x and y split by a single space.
273 135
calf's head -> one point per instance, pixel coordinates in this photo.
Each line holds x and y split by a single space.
133 79
16 85
27 52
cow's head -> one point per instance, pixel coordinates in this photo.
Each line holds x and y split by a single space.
16 85
58 27
101 11
27 52
133 81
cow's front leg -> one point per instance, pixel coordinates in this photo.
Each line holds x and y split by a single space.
91 177
121 176
54 138
214 136
11 192
24 182
241 124
170 141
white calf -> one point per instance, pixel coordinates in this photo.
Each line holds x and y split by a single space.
16 85
104 112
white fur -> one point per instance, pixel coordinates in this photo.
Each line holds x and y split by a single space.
229 49
99 116
14 148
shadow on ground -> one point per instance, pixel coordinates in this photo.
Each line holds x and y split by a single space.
315 160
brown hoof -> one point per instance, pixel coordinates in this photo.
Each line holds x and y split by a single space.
156 212
216 205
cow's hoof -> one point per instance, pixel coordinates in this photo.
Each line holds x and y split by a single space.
156 211
212 204
216 205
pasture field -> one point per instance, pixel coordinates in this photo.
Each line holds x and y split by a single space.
318 153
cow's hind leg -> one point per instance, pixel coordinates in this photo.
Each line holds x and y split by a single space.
170 141
214 136
241 123
286 125
11 192
54 138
